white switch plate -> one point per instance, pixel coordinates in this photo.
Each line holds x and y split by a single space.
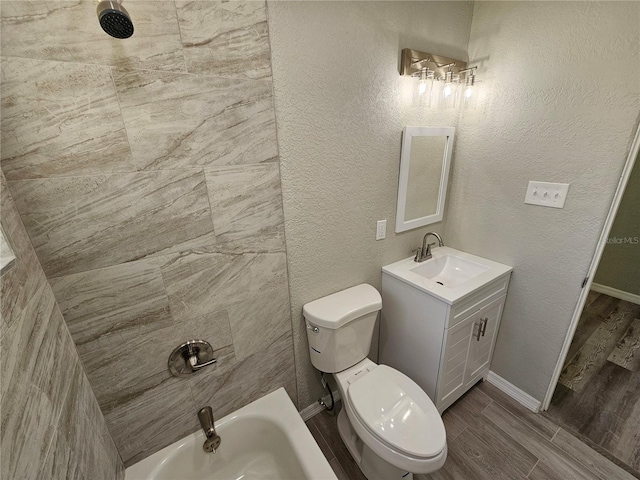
381 229
547 194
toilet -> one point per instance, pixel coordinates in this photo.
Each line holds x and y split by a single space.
388 423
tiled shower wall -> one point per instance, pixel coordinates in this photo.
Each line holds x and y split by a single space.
51 425
146 172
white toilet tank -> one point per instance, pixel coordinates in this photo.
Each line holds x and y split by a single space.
340 327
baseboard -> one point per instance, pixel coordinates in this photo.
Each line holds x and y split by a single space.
615 293
315 408
523 398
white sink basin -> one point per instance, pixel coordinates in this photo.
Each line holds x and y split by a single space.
449 275
449 270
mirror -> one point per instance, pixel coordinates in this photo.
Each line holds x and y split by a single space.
7 257
424 172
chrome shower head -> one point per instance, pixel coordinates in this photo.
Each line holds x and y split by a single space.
114 19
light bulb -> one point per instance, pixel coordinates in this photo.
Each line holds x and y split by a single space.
422 84
447 90
468 92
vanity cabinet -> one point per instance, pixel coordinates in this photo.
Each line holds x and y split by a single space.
444 347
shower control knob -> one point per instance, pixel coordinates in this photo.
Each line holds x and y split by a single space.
191 357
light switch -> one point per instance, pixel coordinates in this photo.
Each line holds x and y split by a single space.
547 194
381 229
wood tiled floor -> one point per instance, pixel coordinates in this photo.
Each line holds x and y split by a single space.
598 395
490 437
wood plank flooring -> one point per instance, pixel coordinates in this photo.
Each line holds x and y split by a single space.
598 396
627 352
592 355
489 437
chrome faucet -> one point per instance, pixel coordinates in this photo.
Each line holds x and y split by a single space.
212 443
424 253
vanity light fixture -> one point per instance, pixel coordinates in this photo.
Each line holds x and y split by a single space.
448 80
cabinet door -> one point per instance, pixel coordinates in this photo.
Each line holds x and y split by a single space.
451 378
485 330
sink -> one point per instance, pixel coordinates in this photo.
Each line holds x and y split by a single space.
449 275
449 270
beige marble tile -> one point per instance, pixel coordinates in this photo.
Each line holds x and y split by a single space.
25 278
235 383
27 431
227 39
246 206
38 359
120 361
260 320
128 299
70 455
83 223
198 284
60 119
151 416
69 31
177 121
101 458
17 287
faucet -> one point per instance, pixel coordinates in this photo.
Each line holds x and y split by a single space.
212 443
424 253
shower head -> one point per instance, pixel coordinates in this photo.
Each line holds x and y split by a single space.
114 19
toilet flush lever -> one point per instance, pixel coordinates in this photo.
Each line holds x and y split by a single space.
191 357
313 328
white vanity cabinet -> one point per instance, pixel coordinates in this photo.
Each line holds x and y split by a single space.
444 346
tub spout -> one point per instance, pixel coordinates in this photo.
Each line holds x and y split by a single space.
212 443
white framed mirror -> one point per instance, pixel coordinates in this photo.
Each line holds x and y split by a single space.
424 172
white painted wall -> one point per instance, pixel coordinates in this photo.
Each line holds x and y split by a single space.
340 108
563 85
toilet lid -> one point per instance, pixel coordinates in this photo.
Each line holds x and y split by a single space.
396 410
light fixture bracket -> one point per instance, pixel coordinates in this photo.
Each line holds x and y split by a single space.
412 61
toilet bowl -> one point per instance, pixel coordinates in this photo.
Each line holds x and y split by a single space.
388 423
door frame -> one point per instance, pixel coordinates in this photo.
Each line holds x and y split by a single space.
602 242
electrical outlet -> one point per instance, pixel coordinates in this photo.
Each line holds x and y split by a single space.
547 194
381 229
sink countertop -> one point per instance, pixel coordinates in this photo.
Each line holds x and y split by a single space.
402 271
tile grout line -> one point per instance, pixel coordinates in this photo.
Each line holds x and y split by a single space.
559 447
124 123
533 468
184 56
489 404
325 440
579 462
139 69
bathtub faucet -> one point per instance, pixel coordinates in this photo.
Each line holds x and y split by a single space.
212 443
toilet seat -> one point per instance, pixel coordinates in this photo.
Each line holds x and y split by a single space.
374 440
395 410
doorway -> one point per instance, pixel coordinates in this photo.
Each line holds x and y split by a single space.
597 395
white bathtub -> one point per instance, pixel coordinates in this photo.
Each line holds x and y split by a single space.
267 439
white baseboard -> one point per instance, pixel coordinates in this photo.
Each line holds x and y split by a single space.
514 392
615 293
315 408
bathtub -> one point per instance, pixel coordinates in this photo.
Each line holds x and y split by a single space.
267 439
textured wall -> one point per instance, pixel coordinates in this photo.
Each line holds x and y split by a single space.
340 107
51 424
551 113
146 172
619 267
